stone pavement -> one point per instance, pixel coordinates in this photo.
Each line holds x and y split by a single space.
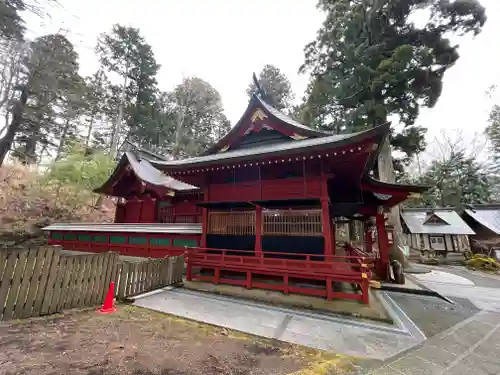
321 331
484 298
471 347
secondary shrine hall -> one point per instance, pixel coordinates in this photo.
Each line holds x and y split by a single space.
257 209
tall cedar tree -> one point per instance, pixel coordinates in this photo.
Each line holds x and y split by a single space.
370 61
48 80
97 111
276 86
54 84
125 52
199 117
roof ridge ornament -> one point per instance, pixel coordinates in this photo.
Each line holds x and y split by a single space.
261 92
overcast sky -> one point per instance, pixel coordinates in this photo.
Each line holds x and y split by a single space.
224 41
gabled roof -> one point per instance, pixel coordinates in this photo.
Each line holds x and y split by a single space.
259 109
416 218
287 148
145 172
434 219
486 215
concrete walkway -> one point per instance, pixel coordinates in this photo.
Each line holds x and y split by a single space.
485 298
471 347
327 332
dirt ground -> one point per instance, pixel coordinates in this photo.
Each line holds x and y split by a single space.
141 342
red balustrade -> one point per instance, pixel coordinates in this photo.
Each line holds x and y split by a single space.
313 267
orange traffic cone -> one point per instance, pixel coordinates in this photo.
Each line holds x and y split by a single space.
109 303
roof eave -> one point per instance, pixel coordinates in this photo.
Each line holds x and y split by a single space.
377 132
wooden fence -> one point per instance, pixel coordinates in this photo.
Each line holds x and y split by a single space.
42 281
139 277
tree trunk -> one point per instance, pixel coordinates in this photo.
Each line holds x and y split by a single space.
30 149
17 115
91 127
116 132
385 170
178 134
62 142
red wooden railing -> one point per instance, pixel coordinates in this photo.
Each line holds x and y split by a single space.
369 259
325 269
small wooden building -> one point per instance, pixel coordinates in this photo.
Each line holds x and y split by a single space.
484 219
440 230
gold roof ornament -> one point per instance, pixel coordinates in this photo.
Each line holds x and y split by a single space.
224 149
258 115
297 137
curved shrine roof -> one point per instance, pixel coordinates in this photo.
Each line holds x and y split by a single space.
145 172
261 114
295 147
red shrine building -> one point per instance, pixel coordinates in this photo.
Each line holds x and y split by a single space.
256 209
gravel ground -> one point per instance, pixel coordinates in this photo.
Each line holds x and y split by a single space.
434 315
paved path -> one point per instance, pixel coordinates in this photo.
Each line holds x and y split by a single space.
479 278
319 331
485 298
469 348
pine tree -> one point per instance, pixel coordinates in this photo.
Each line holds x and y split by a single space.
96 111
124 51
370 61
49 76
454 181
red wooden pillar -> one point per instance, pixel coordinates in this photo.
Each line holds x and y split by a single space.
383 246
204 219
334 233
327 228
325 216
258 230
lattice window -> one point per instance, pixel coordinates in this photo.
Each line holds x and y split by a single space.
186 219
292 223
232 223
165 213
169 214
